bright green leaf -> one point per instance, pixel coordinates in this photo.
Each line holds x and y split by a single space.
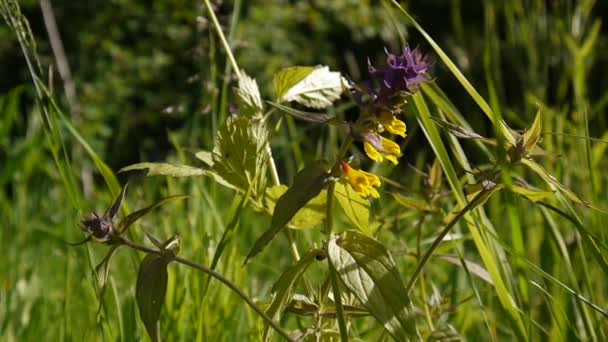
532 194
150 292
307 184
248 94
532 135
239 153
312 87
309 216
165 169
367 269
355 207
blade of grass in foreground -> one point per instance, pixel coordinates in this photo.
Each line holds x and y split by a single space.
485 252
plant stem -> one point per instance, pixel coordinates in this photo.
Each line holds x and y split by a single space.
220 34
217 276
329 224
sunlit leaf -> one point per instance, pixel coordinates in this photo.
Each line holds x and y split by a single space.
307 184
165 169
554 183
473 267
248 93
150 292
205 156
531 137
312 87
283 288
239 153
356 208
368 271
533 195
309 216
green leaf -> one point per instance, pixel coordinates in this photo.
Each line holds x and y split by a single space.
309 216
312 87
282 290
150 292
287 78
532 195
165 169
319 118
555 184
205 156
413 203
248 94
307 184
239 154
367 269
131 218
531 137
355 207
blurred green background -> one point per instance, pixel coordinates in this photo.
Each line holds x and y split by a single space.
149 79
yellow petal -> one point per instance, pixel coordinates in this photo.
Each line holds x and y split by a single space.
391 123
362 182
372 152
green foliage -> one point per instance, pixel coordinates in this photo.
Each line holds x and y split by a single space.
367 269
514 108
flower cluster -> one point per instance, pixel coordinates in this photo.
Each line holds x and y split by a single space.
380 103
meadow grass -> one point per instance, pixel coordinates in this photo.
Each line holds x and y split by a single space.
509 269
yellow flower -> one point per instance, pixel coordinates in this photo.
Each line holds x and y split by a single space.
362 182
379 148
391 123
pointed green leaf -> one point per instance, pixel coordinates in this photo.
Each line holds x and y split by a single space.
150 292
165 169
131 218
532 135
533 195
309 216
307 184
283 288
413 203
248 94
319 118
312 87
287 78
205 156
239 153
554 183
355 207
367 269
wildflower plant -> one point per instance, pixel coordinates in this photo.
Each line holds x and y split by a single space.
360 275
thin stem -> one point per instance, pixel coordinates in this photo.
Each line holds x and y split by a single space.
329 224
442 235
220 34
215 275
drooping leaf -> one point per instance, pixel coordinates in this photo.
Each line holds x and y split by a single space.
319 118
462 132
248 93
205 156
413 203
309 216
307 184
165 169
355 207
312 87
131 218
554 183
239 154
283 288
150 292
368 271
533 195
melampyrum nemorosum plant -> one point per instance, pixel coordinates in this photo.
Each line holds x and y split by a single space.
362 278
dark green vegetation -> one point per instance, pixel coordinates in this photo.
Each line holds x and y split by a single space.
153 84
